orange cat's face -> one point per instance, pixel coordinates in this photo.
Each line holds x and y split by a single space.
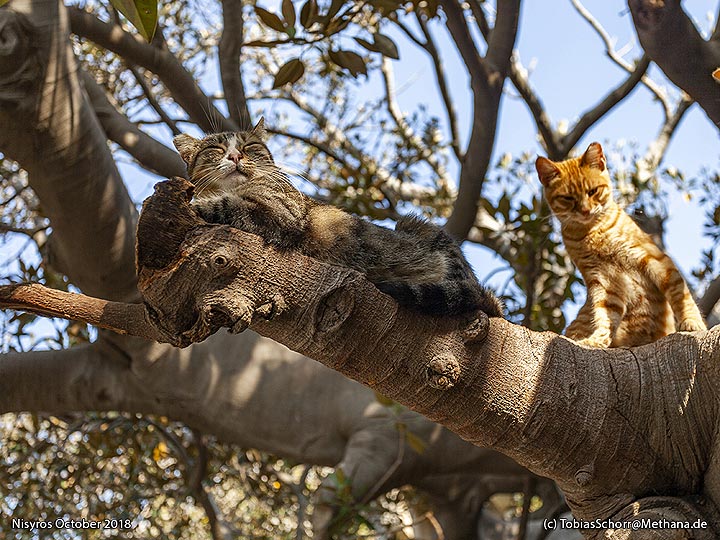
578 190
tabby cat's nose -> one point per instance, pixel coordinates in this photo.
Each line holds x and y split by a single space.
234 157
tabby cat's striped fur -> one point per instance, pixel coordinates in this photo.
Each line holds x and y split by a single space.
237 183
633 288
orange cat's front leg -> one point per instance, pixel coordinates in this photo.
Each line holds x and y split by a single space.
598 319
667 278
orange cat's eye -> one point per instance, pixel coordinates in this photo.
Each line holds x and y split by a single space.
567 198
593 191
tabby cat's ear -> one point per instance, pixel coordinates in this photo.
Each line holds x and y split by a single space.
546 170
259 129
594 157
187 146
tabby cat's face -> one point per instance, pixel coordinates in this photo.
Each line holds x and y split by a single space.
578 190
219 161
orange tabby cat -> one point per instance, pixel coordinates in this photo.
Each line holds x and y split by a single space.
633 288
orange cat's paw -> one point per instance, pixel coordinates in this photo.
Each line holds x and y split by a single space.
598 343
691 325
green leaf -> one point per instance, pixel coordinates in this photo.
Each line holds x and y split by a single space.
142 14
270 19
349 60
289 73
3 2
386 46
288 11
369 46
309 13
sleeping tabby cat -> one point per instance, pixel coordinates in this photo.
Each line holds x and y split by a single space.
633 288
237 183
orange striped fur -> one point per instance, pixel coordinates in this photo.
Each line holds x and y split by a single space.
635 293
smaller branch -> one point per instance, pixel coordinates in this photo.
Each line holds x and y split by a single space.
458 29
229 51
519 77
615 96
431 48
123 318
651 85
178 81
31 232
656 151
219 528
502 38
408 33
373 491
151 99
710 298
404 128
151 154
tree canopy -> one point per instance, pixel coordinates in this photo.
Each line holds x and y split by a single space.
109 412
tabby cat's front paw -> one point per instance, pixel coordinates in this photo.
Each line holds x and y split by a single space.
691 325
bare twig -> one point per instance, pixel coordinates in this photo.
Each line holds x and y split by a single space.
151 99
431 48
404 128
612 53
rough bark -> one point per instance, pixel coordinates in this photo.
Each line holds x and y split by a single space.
49 127
673 42
624 432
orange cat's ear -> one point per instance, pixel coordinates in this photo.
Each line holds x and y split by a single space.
546 170
594 157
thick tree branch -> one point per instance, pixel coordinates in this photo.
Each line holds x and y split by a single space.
51 129
151 154
487 79
673 42
495 384
164 64
229 50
